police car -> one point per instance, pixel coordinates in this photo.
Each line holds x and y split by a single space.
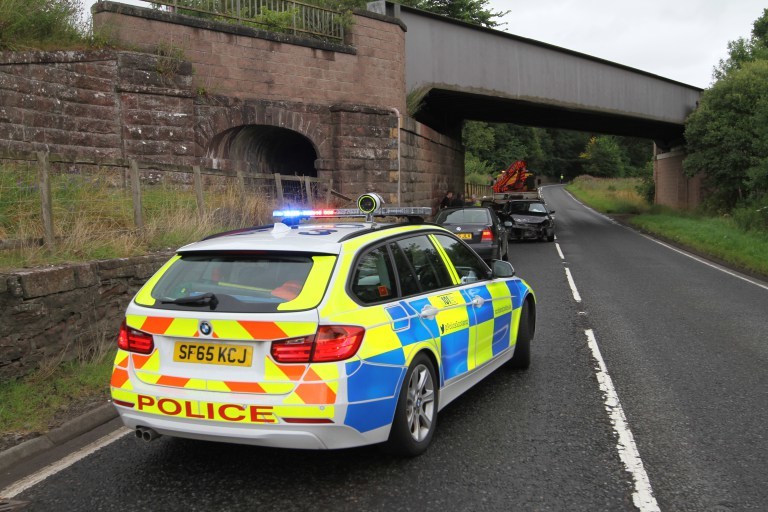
318 336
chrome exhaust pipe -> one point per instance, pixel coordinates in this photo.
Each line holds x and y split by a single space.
146 434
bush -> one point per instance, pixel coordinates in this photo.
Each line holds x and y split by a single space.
40 24
647 189
752 217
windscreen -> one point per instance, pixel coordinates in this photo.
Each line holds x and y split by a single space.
466 216
253 283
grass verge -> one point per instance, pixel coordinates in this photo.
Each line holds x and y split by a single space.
717 237
55 393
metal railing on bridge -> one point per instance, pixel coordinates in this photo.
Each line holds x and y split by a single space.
281 15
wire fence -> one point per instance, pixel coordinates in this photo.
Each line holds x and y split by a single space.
77 206
478 190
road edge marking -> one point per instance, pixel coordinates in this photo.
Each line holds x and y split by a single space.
682 252
25 483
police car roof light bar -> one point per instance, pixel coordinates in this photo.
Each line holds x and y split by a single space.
404 211
368 205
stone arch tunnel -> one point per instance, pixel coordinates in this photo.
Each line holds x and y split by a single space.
266 149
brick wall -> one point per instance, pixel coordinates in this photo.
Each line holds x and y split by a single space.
432 163
345 99
106 104
673 187
59 313
247 63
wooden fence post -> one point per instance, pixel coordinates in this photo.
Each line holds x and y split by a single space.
240 168
308 185
279 188
138 218
198 177
46 202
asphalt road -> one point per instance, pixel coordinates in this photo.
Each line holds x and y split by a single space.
684 345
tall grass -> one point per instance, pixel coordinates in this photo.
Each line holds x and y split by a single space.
41 24
610 195
93 215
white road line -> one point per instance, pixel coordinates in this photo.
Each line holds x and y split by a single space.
559 251
642 496
643 493
572 284
568 276
60 465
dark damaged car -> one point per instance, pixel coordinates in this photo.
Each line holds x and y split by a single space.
531 220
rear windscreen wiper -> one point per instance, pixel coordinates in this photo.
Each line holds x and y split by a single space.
195 300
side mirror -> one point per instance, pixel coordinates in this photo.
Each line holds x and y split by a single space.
503 268
508 224
551 211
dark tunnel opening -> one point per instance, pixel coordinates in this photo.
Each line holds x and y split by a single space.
266 149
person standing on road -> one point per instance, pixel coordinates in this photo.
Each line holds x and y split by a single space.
447 200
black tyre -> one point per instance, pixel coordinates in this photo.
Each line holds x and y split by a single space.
551 238
416 414
522 357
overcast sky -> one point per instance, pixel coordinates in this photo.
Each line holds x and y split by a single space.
678 39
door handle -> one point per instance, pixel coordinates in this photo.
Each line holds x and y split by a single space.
478 302
428 312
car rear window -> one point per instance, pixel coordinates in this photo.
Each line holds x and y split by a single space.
250 283
479 216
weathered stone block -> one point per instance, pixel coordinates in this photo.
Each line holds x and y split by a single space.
46 282
85 276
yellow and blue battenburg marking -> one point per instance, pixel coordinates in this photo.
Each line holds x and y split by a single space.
373 382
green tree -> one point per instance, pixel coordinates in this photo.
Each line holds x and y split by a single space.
564 148
471 11
637 153
603 157
727 135
742 51
479 142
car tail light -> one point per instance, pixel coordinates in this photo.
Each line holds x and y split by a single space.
330 343
296 350
133 340
337 342
487 236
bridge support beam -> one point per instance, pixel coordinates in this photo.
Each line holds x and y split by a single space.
673 187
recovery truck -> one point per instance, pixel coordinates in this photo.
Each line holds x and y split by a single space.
517 182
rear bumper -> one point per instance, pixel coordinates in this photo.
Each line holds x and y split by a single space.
307 419
307 437
486 251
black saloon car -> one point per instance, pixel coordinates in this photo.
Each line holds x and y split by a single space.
480 227
531 219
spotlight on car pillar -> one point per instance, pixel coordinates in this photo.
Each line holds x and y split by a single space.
369 203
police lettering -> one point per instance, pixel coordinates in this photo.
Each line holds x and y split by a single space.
226 412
